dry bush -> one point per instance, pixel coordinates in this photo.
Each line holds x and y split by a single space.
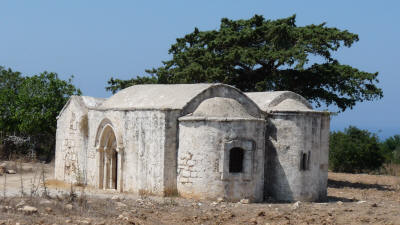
82 198
45 192
71 196
169 202
80 177
145 193
34 184
391 169
20 179
5 186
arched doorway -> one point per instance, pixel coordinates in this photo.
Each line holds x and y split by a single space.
108 159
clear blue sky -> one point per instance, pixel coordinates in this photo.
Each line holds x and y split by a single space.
94 40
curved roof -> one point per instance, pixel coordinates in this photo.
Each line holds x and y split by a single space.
155 96
279 101
290 105
221 107
184 97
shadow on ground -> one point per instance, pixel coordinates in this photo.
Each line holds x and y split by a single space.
358 185
342 199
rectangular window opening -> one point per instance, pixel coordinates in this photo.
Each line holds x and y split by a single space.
236 156
305 160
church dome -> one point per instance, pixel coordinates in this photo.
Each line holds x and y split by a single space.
291 105
283 101
221 107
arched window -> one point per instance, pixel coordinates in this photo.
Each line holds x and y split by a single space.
236 156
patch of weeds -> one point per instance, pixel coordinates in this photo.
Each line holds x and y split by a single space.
169 202
71 196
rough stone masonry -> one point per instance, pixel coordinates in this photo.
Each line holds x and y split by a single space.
202 141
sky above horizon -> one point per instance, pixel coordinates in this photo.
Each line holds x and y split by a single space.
97 40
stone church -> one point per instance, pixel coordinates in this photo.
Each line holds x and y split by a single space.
200 141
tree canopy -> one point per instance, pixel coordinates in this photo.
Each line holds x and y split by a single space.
29 106
39 101
354 150
391 149
266 55
10 82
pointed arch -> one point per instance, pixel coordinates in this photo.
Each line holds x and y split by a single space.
109 156
104 127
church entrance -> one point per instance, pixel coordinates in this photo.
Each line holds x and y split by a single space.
108 160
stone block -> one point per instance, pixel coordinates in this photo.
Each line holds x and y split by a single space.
191 162
185 173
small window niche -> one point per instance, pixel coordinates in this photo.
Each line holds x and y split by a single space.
236 156
305 161
237 160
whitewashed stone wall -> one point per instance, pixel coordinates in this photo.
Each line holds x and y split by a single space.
96 120
157 154
145 144
71 144
289 136
148 158
202 169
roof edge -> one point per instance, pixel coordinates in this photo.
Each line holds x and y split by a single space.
66 105
267 100
81 102
221 119
289 95
291 112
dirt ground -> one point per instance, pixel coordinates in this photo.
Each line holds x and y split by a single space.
352 199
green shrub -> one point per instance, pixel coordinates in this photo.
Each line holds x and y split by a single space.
354 151
391 149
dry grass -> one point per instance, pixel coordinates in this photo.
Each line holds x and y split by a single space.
145 193
58 210
57 184
171 193
352 199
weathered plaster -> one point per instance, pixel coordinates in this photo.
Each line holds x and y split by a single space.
202 168
288 137
169 139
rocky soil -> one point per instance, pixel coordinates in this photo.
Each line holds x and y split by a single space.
353 199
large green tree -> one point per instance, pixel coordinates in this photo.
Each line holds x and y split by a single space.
39 101
30 105
263 55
